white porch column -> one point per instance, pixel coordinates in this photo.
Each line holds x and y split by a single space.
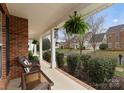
53 52
35 50
41 52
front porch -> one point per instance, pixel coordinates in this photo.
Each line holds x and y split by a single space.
39 26
61 81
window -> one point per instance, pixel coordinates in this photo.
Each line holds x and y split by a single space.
109 45
117 37
0 44
117 44
117 40
109 38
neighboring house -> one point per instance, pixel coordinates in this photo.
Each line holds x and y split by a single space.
74 41
98 39
59 43
115 37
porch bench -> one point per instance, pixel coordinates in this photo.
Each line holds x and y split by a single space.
36 80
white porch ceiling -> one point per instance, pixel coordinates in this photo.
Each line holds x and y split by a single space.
42 17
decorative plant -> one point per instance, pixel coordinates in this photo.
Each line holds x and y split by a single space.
72 62
46 44
60 59
34 41
76 25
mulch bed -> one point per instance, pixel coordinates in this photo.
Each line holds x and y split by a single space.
65 68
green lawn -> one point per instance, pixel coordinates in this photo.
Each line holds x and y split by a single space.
73 51
99 54
118 73
106 54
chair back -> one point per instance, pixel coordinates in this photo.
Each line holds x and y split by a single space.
22 61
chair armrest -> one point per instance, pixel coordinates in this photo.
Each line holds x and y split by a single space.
33 65
34 62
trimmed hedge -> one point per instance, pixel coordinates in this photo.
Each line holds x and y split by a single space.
31 57
93 70
60 59
101 70
82 67
47 56
72 61
46 44
35 58
103 46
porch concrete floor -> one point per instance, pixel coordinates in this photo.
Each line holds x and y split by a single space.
14 84
61 81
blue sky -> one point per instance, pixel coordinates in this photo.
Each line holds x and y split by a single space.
114 15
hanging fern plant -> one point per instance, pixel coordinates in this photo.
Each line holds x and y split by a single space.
76 25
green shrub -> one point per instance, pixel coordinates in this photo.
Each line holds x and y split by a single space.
82 67
35 58
103 46
30 55
100 70
46 44
34 41
72 61
95 70
85 59
47 56
60 59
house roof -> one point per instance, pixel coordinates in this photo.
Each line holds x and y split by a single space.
97 38
76 38
116 28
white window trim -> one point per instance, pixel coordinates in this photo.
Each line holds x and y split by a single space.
109 45
117 44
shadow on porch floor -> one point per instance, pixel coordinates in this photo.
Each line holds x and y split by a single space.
14 84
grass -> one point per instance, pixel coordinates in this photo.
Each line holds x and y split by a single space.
72 51
118 73
106 54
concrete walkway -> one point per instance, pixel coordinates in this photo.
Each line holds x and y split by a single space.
61 81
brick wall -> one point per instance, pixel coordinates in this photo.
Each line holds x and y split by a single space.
18 44
3 80
112 40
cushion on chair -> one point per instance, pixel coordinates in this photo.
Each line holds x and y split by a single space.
27 69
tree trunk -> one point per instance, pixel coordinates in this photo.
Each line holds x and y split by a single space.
80 47
94 47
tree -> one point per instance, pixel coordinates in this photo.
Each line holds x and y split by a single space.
76 25
46 44
67 38
96 26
